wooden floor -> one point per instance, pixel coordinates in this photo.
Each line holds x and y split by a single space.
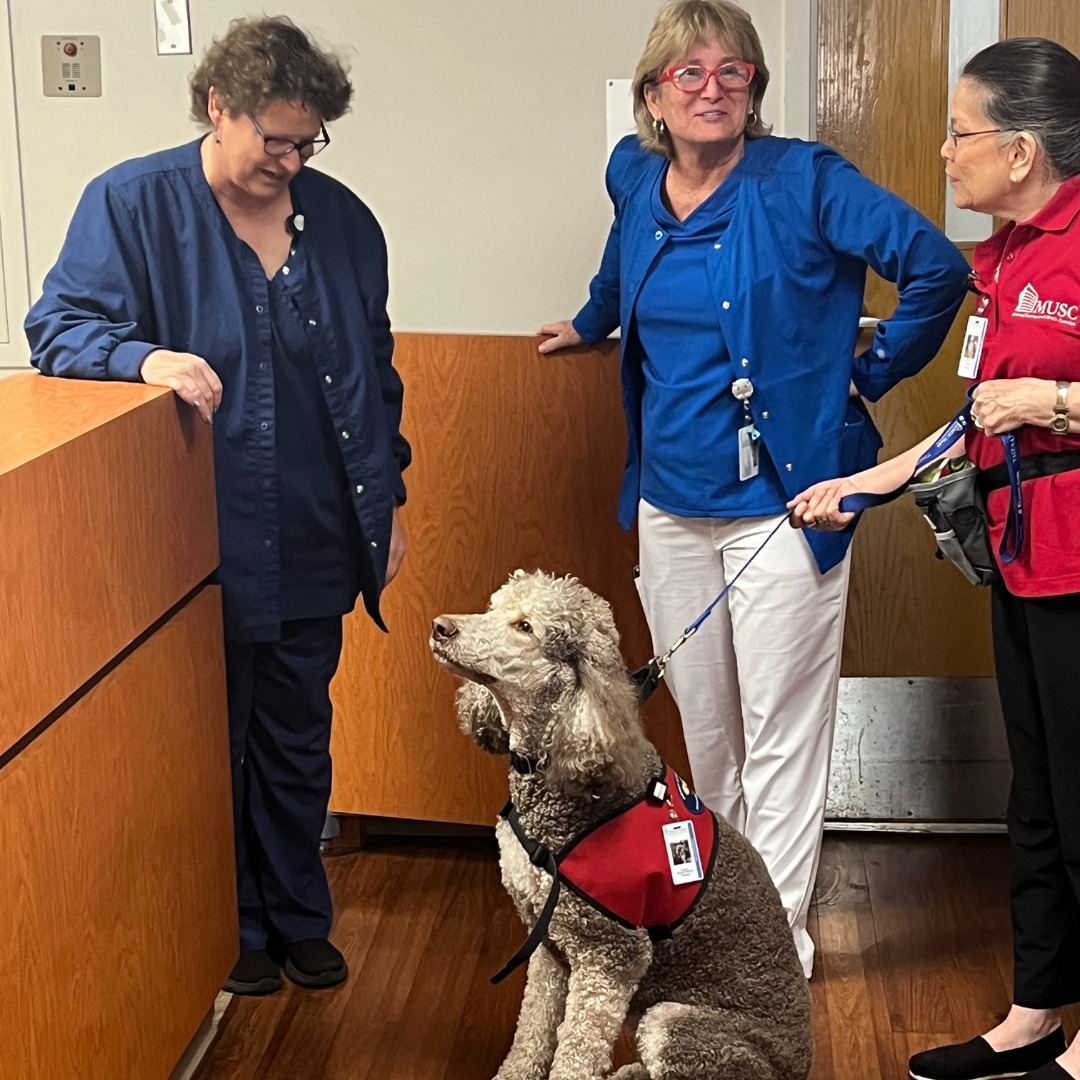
913 949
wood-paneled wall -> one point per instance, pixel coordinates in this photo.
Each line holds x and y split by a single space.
1058 20
883 73
117 889
518 460
76 458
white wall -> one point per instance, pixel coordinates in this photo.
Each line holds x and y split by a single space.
477 134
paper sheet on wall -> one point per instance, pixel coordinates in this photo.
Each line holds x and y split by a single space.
620 111
973 24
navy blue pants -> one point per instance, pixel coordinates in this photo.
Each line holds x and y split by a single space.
279 727
1036 648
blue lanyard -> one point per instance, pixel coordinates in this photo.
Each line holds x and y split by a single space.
1012 541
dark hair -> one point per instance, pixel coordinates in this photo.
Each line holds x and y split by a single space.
1032 84
267 59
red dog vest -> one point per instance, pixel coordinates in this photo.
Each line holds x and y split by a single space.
620 864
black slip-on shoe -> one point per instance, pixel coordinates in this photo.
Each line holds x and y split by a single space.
1053 1071
978 1060
255 974
315 963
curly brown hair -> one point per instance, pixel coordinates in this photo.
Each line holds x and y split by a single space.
267 59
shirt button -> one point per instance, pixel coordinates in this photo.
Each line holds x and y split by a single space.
726 304
765 415
881 354
285 270
262 365
659 234
1009 257
312 322
344 434
359 489
373 544
259 308
788 466
745 362
327 379
716 247
264 425
267 543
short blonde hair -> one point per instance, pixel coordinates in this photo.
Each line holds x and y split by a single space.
679 26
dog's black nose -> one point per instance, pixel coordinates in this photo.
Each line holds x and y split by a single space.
443 627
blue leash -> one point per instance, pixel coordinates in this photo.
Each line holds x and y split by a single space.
1012 542
648 678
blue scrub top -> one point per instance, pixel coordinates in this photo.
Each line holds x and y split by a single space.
688 372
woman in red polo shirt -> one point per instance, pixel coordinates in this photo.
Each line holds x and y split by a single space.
1013 150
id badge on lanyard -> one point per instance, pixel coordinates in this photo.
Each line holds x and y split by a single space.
971 353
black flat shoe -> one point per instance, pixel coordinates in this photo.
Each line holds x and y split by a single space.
977 1060
1053 1071
315 963
255 974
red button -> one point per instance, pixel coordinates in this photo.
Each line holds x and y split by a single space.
71 49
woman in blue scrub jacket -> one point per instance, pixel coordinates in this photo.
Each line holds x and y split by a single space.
256 290
735 267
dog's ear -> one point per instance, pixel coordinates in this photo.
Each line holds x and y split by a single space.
597 745
480 717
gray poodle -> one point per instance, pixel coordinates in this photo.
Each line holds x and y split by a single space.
719 995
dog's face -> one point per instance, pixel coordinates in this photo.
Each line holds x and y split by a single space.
544 651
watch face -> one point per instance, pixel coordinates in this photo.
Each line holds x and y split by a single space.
1059 424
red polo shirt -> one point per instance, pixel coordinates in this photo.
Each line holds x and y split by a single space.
1028 275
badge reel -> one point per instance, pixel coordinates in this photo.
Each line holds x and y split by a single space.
749 436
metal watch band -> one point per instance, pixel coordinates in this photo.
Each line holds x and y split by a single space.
1059 423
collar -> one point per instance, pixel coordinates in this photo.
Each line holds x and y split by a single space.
524 765
1060 212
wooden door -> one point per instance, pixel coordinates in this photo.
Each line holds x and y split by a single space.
882 102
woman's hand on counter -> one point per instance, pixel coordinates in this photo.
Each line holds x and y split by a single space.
190 376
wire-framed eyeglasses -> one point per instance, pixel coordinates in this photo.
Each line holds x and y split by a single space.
733 75
279 147
956 136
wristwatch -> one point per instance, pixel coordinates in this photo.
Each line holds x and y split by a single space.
1059 423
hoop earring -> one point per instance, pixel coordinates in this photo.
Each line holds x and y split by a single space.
658 127
751 118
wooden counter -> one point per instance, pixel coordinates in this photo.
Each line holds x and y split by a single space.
117 891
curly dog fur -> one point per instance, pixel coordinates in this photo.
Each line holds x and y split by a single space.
725 997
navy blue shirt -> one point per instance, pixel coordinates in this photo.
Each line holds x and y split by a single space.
688 373
150 261
318 536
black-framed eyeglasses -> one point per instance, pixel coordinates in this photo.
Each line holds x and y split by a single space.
277 146
956 136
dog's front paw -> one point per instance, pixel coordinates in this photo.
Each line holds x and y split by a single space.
634 1071
523 1070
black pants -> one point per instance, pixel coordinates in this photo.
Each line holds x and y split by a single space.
279 727
1037 652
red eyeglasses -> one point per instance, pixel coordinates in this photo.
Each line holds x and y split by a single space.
734 75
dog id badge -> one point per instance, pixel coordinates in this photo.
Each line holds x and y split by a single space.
748 451
682 852
971 353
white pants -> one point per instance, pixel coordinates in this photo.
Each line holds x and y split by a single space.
756 686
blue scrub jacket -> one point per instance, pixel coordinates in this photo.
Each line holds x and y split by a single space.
787 280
